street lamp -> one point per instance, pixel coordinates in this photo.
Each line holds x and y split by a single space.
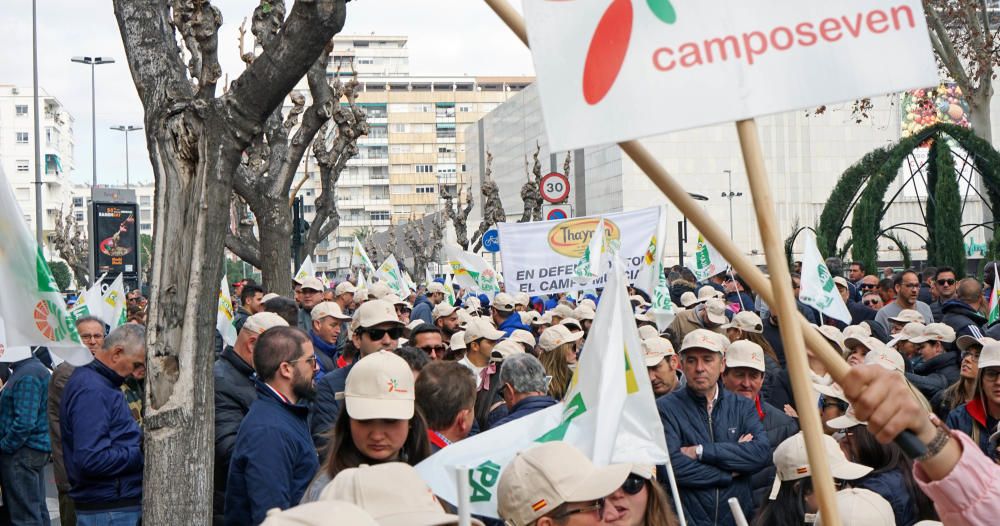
93 62
38 140
682 229
730 195
126 129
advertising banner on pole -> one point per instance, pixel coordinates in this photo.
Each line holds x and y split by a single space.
552 248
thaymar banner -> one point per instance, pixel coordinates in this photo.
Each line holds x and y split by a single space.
539 257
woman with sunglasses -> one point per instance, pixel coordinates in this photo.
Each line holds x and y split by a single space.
964 389
641 501
379 423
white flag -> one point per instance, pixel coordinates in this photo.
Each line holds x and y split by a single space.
471 271
360 258
32 310
818 289
361 289
653 280
306 270
609 412
590 265
224 318
390 273
449 290
89 303
410 284
114 304
707 261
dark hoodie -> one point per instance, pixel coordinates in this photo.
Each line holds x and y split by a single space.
963 319
678 288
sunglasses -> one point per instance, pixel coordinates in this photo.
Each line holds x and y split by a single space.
946 281
597 506
872 302
434 349
377 334
633 484
866 286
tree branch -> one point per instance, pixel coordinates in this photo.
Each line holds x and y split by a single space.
945 50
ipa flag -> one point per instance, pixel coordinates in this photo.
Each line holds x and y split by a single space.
306 269
707 261
818 289
390 273
32 310
360 258
471 271
995 299
224 318
115 305
609 412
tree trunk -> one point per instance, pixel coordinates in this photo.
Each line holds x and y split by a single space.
979 113
274 224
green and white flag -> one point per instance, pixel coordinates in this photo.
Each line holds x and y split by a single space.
471 271
608 413
306 270
818 289
590 266
225 316
114 307
410 284
449 290
652 279
32 309
360 258
707 261
390 273
89 302
995 300
361 289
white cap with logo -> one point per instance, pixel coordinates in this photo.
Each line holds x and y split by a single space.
328 308
380 386
792 462
655 349
557 335
481 328
745 353
443 310
263 321
704 339
344 287
503 302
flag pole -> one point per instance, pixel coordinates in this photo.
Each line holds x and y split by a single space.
675 493
463 490
739 297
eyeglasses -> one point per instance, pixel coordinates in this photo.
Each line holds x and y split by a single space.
597 506
872 302
867 286
633 484
946 282
310 360
434 349
378 334
990 375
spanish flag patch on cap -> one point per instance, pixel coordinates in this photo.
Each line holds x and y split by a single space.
539 505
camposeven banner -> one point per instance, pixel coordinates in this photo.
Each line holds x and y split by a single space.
551 249
611 70
608 413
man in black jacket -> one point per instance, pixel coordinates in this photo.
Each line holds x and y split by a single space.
938 367
962 312
234 392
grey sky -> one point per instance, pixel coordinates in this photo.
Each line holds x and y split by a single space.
447 37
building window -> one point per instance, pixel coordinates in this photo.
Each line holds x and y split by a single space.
21 110
380 215
425 189
379 172
322 258
464 108
22 137
23 165
446 133
378 132
425 168
308 209
145 200
77 201
399 128
399 148
145 227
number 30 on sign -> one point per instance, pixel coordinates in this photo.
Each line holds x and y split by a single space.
555 187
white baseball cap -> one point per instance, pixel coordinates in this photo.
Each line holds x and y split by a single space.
745 353
523 337
508 348
716 310
503 302
648 331
328 308
908 315
791 461
480 328
312 283
911 330
374 312
861 329
936 332
572 323
557 335
443 310
263 321
562 310
344 287
522 298
269 296
380 386
318 514
845 421
543 319
583 312
965 341
862 507
435 287
379 290
655 349
457 341
746 321
887 358
544 477
704 339
708 292
990 355
832 335
688 299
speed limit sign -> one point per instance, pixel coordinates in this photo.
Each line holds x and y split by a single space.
555 187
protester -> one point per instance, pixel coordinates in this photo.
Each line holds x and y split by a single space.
585 314
504 316
558 348
445 317
424 305
403 308
980 416
860 507
273 458
906 285
715 438
858 310
872 300
962 312
746 325
554 484
375 327
327 322
379 424
887 290
101 443
710 315
310 295
904 342
235 392
944 287
964 389
938 366
641 501
318 514
24 440
429 339
285 308
446 395
523 387
251 302
661 364
480 338
526 340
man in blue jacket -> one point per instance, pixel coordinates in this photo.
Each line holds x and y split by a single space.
102 444
523 387
715 437
504 315
274 458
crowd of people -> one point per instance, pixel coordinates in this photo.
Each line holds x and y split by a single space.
327 400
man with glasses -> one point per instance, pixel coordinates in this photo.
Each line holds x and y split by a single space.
859 311
978 418
446 395
428 339
945 287
938 366
375 327
872 300
523 387
274 459
555 484
906 285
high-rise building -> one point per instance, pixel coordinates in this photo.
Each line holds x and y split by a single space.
416 148
17 151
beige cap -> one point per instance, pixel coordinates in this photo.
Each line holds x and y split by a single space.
746 321
584 312
648 331
965 341
840 280
640 315
380 385
480 328
908 315
544 477
862 507
523 337
464 318
443 310
503 302
637 298
792 462
318 514
312 283
990 355
472 303
328 308
555 336
529 316
655 349
379 290
833 391
562 310
868 342
263 321
911 330
587 302
572 323
846 421
936 332
716 309
396 300
544 319
861 329
833 336
708 292
508 348
888 358
704 339
344 287
374 312
745 353
412 325
269 296
522 298
457 341
435 288
688 299
393 493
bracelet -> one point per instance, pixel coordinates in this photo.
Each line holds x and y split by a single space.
935 446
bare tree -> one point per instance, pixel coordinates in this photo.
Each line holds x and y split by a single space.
72 247
264 179
531 194
493 212
423 238
459 216
196 140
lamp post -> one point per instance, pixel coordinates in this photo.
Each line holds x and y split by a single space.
38 139
730 195
93 62
125 130
682 229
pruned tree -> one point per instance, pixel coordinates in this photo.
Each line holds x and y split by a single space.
493 212
196 140
375 252
263 182
531 194
72 247
458 216
423 237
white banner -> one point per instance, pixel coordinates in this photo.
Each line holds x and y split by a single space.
540 257
615 70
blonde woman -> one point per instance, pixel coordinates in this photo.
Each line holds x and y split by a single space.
558 353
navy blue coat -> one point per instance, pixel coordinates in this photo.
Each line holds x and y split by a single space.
325 407
972 419
935 375
102 444
513 323
273 462
422 310
707 484
525 407
890 485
